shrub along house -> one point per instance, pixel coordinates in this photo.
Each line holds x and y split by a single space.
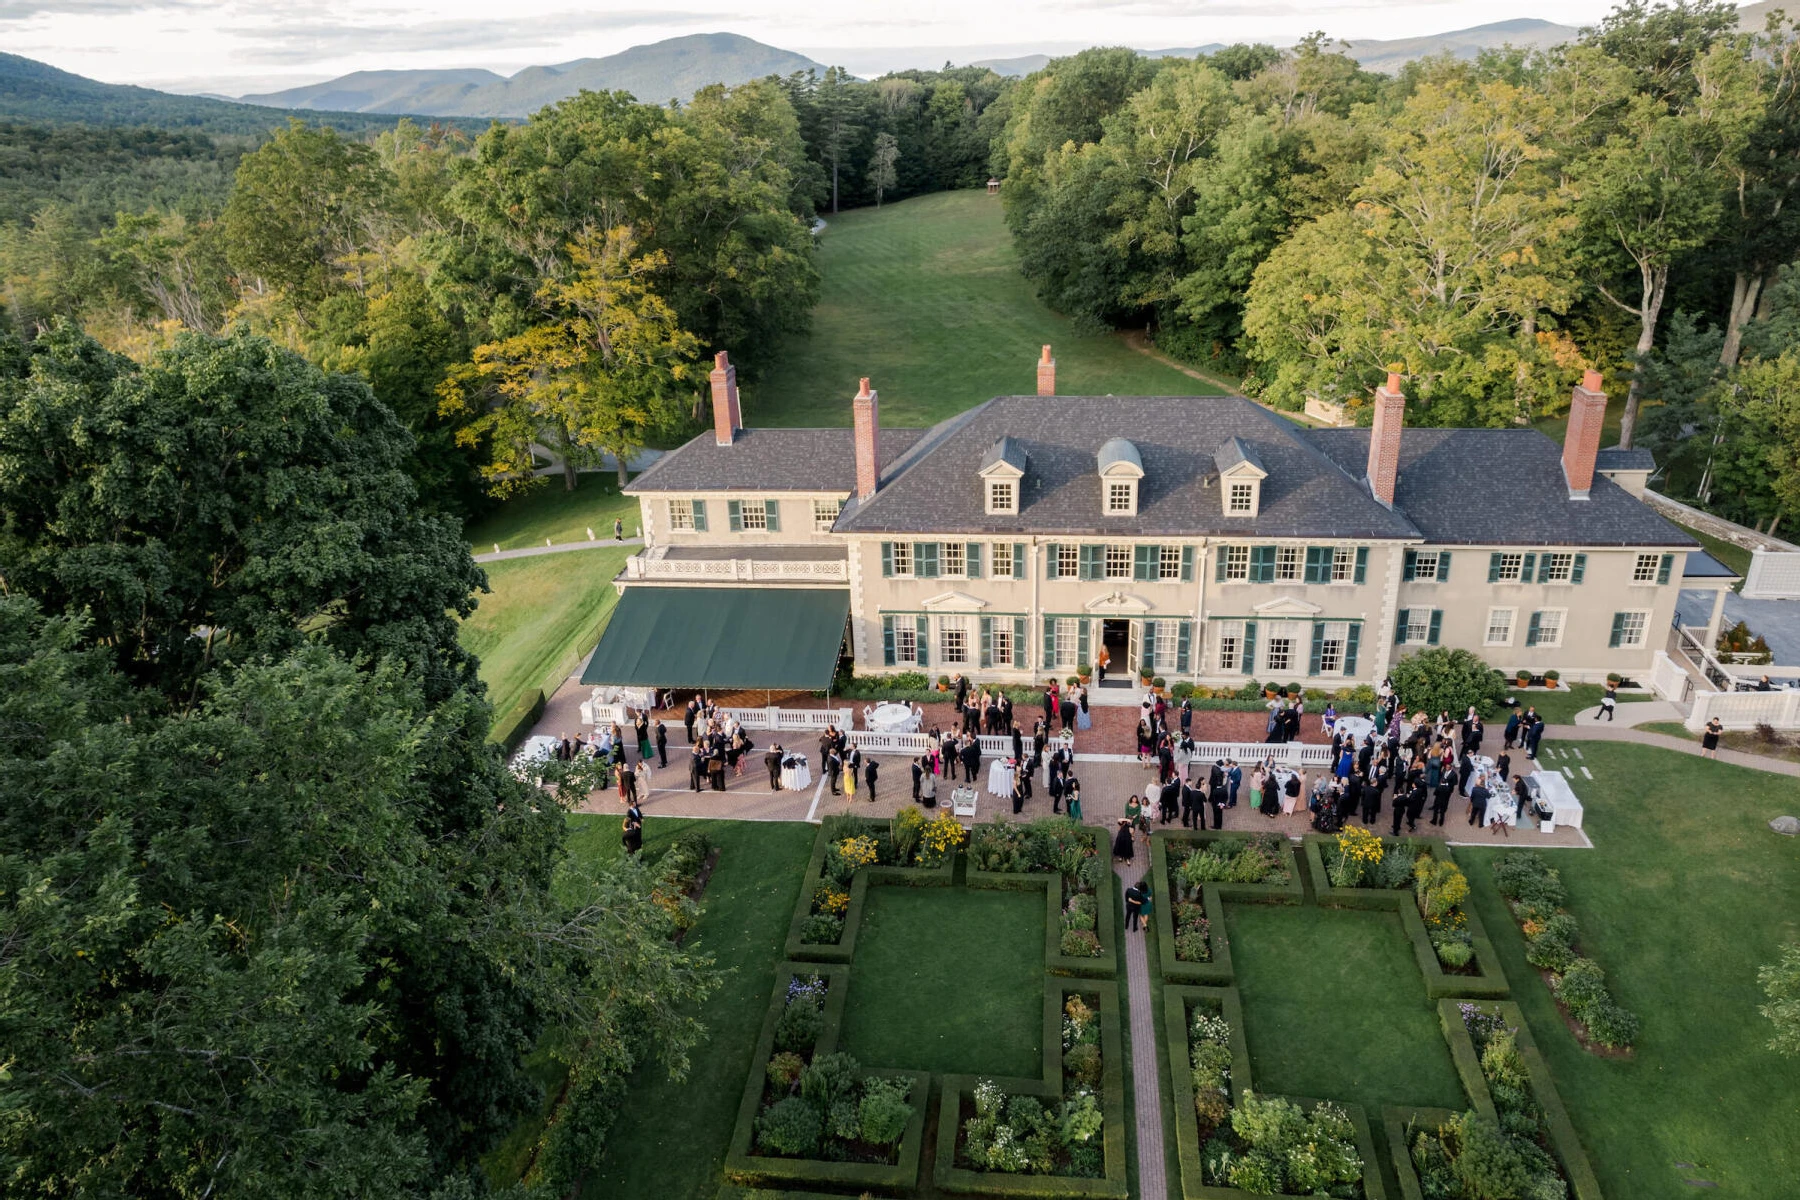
1197 538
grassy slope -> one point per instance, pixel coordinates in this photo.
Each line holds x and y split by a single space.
538 610
1686 896
670 1141
552 511
925 298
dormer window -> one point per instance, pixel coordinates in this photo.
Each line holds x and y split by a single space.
1002 497
1121 498
1003 477
1121 468
1240 499
1241 475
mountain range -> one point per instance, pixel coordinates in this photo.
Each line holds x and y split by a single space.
668 70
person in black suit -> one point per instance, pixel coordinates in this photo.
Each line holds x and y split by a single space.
772 760
918 778
971 760
870 768
662 745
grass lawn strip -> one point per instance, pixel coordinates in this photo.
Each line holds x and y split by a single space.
550 510
1169 846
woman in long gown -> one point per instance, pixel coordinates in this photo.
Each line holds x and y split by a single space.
1122 848
1271 795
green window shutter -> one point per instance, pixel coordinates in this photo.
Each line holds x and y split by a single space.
1143 563
1018 642
923 635
1443 566
987 641
1149 635
1531 631
1187 564
1409 566
925 560
699 516
734 515
887 560
887 641
1318 648
1437 620
1663 568
772 513
1081 641
1618 630
1184 638
1049 643
1494 567
1052 556
1578 569
1350 641
1527 568
1092 559
1248 657
1262 564
1362 563
1219 564
972 560
1018 560
1318 564
1400 620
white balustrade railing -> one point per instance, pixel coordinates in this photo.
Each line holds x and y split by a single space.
1669 680
739 570
1288 754
791 718
1779 709
873 742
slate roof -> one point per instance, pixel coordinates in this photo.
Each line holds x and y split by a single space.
1613 458
1007 450
1501 487
1232 451
1701 565
1118 450
769 460
935 485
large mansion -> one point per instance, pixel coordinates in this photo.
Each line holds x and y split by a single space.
1200 538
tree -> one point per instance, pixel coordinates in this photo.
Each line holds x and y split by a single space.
602 375
1781 981
881 164
839 108
1445 680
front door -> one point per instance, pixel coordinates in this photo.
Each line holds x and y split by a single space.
1119 636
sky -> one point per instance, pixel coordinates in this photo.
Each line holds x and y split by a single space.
236 46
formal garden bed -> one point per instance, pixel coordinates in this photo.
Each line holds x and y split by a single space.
1194 872
1421 881
851 854
1070 863
1534 894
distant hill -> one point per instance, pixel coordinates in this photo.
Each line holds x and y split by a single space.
1753 17
37 92
1527 32
668 70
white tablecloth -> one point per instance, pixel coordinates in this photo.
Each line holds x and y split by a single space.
1000 779
535 750
794 772
1355 727
893 718
1554 788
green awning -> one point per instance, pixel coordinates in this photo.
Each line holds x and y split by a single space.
722 638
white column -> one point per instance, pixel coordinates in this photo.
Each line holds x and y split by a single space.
1718 617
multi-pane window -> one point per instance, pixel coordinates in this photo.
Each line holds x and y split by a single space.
1287 562
681 515
1646 567
953 640
1425 564
1631 628
1506 567
755 514
1343 564
1555 568
1241 498
1280 654
1120 497
1418 626
902 558
1002 647
1003 560
1168 563
1001 496
1168 644
950 556
1068 561
1118 562
1499 627
1231 640
825 514
1331 648
1066 636
906 641
1548 624
1237 562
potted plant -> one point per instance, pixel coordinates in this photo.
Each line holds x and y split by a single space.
1551 676
1072 680
1614 679
1522 677
943 683
1268 691
1159 683
1144 677
1084 670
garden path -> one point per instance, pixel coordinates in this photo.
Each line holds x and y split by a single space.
534 551
1153 1182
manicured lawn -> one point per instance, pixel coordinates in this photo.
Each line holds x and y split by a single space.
925 297
1336 1008
1686 896
1557 706
670 1139
922 996
551 511
538 613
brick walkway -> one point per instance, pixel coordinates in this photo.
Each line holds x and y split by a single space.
1153 1183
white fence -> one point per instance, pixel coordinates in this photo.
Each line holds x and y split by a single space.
1669 680
1290 754
1779 709
871 742
791 718
1773 575
738 570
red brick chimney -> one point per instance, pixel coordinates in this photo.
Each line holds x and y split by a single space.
727 420
1046 374
1587 413
1384 440
867 411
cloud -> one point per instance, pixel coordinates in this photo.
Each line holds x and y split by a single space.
319 37
26 10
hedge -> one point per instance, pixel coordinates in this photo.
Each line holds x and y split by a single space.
1213 896
512 728
1106 966
1488 982
844 948
1563 1139
1394 1124
743 1166
951 1178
